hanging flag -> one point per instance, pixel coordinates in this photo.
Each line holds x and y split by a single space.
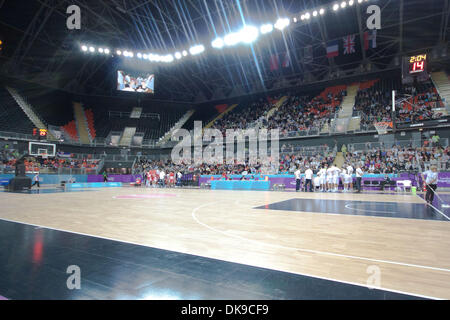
332 49
221 107
274 62
370 39
308 54
272 101
286 60
349 44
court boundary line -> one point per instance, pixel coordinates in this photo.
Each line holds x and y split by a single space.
433 207
258 207
322 253
197 255
311 250
255 241
364 210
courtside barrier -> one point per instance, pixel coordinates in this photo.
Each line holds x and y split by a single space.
240 185
94 185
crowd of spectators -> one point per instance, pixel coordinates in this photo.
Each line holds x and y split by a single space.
297 113
399 159
244 118
9 157
375 103
288 162
421 106
300 113
372 160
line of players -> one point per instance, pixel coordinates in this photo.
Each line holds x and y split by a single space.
327 179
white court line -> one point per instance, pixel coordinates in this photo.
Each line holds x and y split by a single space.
364 210
433 207
198 255
309 250
318 252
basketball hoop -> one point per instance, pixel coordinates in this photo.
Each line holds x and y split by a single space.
382 127
43 155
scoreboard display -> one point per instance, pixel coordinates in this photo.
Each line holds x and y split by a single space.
418 63
415 67
40 133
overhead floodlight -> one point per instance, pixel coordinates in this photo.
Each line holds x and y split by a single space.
119 53
335 7
217 43
197 49
360 1
145 56
185 53
350 3
248 34
282 23
343 4
295 19
232 39
100 50
302 17
84 48
168 58
307 16
131 54
315 13
321 11
139 55
107 51
91 49
266 28
177 55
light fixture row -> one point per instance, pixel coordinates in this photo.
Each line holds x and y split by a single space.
247 35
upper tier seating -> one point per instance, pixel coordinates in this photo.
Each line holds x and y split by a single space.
374 102
12 117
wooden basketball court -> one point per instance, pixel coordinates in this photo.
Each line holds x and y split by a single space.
344 237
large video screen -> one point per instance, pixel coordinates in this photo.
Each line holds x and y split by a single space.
135 82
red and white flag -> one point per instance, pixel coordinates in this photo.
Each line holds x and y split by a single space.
349 44
332 49
370 39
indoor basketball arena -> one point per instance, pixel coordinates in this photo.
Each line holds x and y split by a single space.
224 150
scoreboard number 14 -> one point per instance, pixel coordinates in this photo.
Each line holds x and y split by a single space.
417 63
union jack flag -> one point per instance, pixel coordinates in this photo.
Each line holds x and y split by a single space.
349 44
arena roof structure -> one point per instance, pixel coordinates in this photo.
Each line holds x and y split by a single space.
38 47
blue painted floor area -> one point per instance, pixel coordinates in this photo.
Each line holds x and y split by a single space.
441 202
33 264
360 208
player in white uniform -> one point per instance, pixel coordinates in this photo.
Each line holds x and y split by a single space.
344 178
350 176
322 178
336 174
330 172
